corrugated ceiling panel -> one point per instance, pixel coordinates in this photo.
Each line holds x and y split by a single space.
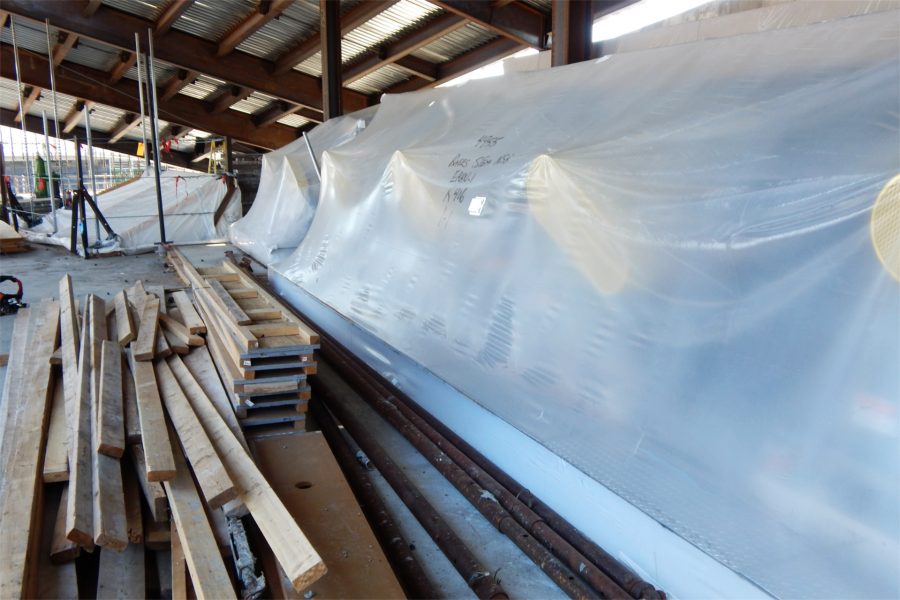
542 5
401 17
455 43
142 8
294 121
212 19
253 103
91 54
202 88
299 21
29 36
379 80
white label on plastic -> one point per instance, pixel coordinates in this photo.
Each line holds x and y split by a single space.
477 205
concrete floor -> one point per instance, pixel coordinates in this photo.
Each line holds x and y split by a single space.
40 271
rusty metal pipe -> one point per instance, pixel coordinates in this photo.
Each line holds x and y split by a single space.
412 577
479 579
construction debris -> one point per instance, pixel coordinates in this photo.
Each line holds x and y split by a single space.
119 437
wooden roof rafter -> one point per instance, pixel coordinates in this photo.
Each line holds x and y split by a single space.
264 12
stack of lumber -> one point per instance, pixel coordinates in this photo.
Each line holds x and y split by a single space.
118 438
259 346
10 240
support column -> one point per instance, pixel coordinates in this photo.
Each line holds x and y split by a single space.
229 155
332 79
572 25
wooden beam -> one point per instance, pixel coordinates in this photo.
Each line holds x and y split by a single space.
66 41
406 45
279 109
208 573
208 469
31 94
513 21
90 7
265 12
171 13
352 19
227 97
143 348
62 549
124 62
73 117
121 574
418 67
124 321
462 64
128 122
201 378
189 314
153 491
86 83
160 464
176 83
332 61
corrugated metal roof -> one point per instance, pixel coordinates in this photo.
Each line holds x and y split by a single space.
212 19
297 22
88 53
379 80
542 5
294 121
455 43
253 103
202 88
142 8
29 36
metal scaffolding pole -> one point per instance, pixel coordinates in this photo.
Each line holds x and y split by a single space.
154 128
28 177
50 168
53 205
87 125
137 49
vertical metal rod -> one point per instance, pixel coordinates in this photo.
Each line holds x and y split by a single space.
87 124
137 49
52 63
81 203
50 169
154 128
30 180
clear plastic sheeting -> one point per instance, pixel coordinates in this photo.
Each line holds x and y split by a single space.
659 266
289 190
190 201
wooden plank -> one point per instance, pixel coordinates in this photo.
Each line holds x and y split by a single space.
227 304
80 507
238 291
330 515
214 481
124 321
179 566
175 344
110 527
145 344
122 574
263 314
111 420
310 336
157 535
208 573
15 373
69 344
161 348
62 549
274 329
133 517
189 314
154 435
154 494
296 555
160 293
20 494
57 580
202 372
180 331
56 453
130 410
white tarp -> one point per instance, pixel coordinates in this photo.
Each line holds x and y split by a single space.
289 190
659 266
190 201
